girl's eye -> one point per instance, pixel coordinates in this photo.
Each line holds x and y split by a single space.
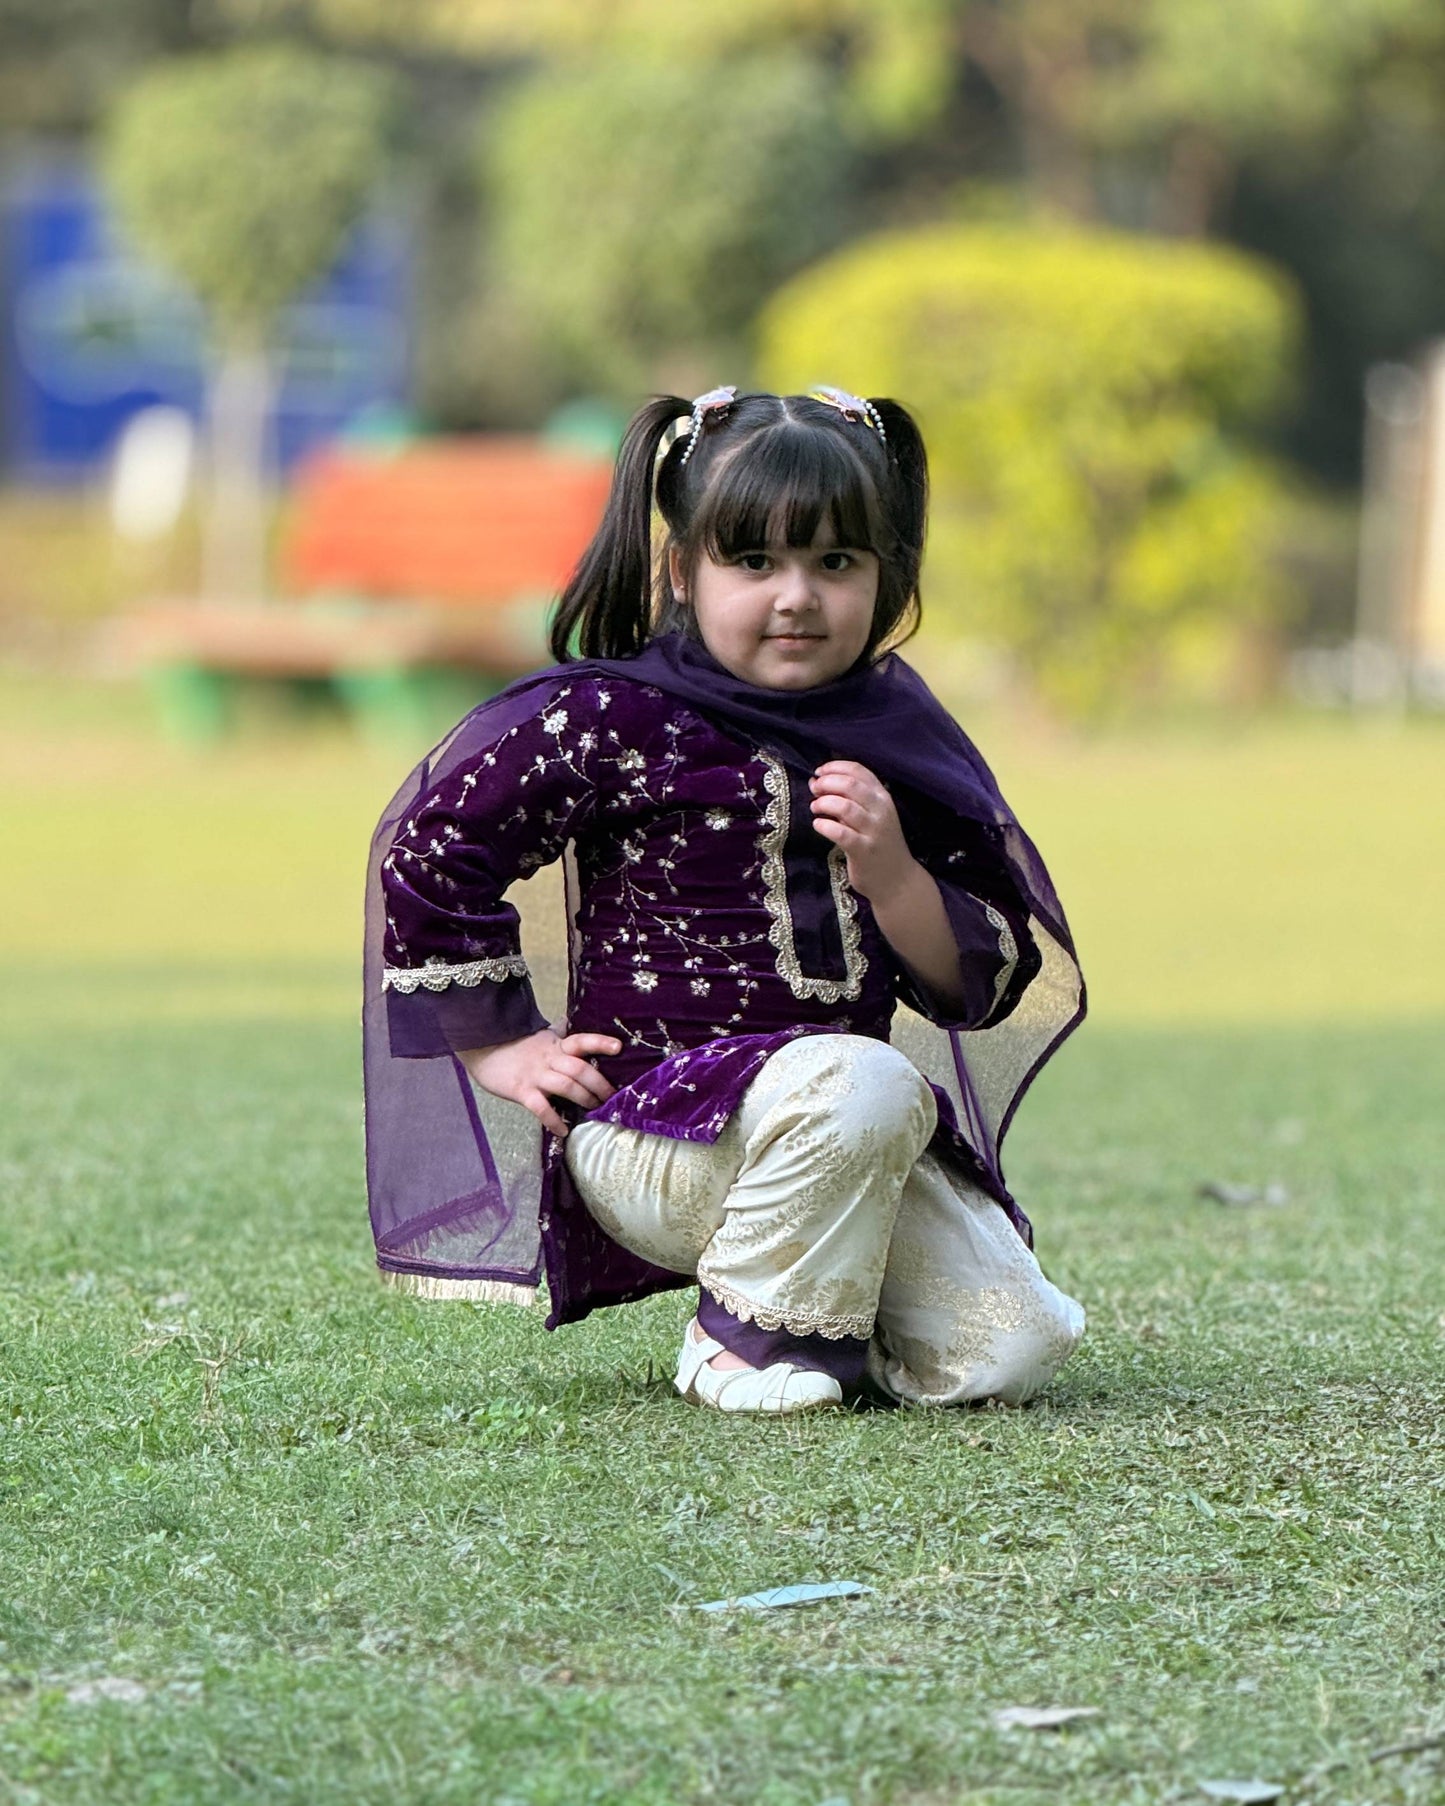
754 561
837 561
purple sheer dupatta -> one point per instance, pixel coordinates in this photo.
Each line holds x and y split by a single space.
459 1181
454 1176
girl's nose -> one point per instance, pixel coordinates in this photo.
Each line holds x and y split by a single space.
794 587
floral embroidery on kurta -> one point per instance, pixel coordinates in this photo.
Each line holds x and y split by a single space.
688 922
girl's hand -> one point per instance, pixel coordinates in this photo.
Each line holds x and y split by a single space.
535 1069
853 810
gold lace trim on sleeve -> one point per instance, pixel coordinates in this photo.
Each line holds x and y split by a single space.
437 975
1008 949
775 896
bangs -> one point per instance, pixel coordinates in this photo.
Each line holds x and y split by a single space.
787 484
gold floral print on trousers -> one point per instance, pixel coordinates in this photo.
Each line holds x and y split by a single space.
818 1211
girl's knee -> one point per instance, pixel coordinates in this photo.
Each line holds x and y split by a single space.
887 1085
1035 1356
862 1086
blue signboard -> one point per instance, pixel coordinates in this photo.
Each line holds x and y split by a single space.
92 334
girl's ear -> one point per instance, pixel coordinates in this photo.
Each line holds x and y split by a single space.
674 574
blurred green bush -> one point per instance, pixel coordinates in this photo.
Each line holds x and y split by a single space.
641 207
1088 399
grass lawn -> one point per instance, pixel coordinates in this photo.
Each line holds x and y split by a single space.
360 1549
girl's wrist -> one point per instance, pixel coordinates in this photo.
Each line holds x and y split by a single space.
901 886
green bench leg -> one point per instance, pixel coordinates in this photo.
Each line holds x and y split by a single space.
412 706
408 707
196 706
389 706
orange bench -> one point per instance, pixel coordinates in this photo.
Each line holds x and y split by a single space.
416 580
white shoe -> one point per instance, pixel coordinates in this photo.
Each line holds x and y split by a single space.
772 1389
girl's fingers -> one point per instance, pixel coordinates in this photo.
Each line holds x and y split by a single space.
843 809
541 1107
843 784
590 1044
579 1073
849 768
840 777
557 1084
576 1091
866 796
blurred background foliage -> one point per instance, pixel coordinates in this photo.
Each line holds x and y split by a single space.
1129 259
245 173
641 208
1087 398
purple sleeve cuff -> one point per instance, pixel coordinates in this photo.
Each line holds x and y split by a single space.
424 1024
992 974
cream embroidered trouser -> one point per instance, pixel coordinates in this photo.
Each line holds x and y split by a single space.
818 1211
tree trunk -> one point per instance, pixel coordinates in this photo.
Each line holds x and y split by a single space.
1037 58
1047 98
234 549
1197 179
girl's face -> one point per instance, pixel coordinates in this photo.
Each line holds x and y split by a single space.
784 617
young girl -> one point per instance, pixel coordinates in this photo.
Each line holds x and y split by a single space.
774 835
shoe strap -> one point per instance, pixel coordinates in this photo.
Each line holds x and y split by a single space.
704 1346
695 1355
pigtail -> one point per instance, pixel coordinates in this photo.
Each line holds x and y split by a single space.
607 605
907 510
908 471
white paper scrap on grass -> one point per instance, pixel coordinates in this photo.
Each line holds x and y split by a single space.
110 1686
1040 1718
808 1593
1246 1793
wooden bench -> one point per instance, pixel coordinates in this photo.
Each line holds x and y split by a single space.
417 583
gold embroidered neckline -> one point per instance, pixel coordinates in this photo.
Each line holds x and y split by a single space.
775 896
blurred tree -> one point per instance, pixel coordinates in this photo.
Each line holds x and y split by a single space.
644 210
1194 84
1358 215
1084 396
893 61
1196 89
244 172
1315 134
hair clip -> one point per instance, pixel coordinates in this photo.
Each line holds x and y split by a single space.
716 401
851 407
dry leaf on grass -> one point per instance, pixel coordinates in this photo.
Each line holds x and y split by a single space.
1241 1197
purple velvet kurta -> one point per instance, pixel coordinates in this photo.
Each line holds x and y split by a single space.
712 925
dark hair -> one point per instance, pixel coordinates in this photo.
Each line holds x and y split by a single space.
768 469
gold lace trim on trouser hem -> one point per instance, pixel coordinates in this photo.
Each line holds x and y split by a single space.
832 1329
469 1291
